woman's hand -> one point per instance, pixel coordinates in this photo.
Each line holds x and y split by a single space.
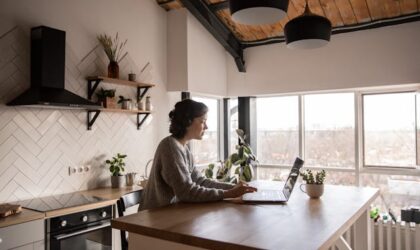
238 190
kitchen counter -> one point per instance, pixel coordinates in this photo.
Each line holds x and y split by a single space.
25 216
110 194
226 225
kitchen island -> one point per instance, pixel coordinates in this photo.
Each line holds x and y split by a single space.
302 223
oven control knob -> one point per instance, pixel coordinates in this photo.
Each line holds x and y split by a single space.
84 218
63 223
103 214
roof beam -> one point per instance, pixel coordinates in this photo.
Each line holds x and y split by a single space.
219 6
217 28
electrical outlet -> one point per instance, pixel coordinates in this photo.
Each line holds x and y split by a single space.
72 170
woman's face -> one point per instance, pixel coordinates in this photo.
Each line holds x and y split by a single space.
197 128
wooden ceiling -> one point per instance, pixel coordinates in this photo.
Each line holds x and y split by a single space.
345 16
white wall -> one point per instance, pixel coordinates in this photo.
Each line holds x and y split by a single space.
38 145
376 57
196 61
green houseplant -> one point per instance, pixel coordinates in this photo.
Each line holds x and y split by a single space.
314 183
240 163
116 167
125 102
107 98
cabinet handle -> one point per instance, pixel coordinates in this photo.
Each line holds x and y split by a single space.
1 240
90 229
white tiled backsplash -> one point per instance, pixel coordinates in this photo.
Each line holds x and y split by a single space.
37 146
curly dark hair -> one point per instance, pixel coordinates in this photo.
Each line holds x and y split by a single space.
183 114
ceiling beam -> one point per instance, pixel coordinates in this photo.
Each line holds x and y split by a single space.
217 28
219 6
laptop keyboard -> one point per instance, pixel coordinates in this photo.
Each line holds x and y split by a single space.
269 195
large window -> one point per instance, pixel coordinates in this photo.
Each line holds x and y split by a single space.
277 130
389 129
233 123
207 150
329 130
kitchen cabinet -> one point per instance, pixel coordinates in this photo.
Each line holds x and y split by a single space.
28 235
142 88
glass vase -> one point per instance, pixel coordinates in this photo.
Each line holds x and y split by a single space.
113 69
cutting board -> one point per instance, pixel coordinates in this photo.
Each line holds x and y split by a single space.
9 209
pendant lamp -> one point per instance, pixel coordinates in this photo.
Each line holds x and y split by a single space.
308 31
257 12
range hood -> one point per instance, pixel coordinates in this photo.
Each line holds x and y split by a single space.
48 47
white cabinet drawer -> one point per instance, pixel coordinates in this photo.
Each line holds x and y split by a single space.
21 234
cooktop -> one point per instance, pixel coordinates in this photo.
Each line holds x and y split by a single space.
49 203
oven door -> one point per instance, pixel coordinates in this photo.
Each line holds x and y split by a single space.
97 236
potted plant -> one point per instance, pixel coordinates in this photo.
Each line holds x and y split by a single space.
240 163
107 98
116 166
113 49
314 183
125 102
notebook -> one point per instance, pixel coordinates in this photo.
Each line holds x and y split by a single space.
277 195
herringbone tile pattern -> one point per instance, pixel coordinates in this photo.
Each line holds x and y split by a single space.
38 145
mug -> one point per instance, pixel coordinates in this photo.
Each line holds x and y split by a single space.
313 190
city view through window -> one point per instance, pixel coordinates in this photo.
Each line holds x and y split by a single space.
328 140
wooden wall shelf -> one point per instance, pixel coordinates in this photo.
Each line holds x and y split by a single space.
142 88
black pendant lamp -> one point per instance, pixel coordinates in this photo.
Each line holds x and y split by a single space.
308 31
257 12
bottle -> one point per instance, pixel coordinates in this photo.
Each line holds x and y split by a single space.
149 106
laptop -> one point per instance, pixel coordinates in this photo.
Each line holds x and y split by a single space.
277 195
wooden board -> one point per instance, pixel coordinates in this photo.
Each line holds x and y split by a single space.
9 209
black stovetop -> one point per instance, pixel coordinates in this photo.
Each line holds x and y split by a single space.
49 203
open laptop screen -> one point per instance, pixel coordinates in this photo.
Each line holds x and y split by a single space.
293 176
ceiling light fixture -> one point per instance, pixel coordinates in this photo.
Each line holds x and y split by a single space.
307 31
257 12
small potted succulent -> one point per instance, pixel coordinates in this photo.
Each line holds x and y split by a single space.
107 98
125 102
116 166
314 183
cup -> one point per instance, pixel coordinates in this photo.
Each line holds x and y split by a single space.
313 190
132 77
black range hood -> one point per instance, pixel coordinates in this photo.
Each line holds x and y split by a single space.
48 49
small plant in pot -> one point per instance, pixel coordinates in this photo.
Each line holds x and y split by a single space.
116 166
125 102
107 98
314 183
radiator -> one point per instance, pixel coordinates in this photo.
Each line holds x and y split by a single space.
388 236
398 236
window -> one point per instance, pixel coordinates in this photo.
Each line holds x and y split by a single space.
277 130
329 130
389 129
233 137
207 150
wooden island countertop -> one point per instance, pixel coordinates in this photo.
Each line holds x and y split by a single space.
302 223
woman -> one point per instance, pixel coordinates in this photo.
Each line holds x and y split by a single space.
173 177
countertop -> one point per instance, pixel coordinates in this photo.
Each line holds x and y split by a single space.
221 225
110 194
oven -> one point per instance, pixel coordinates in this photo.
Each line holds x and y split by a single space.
83 230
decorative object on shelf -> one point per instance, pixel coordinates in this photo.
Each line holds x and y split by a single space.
307 31
314 184
242 161
257 12
116 166
107 98
113 49
132 77
140 105
125 102
149 106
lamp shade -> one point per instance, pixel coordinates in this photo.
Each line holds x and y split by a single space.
308 31
256 12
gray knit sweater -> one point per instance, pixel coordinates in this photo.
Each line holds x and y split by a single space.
173 178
